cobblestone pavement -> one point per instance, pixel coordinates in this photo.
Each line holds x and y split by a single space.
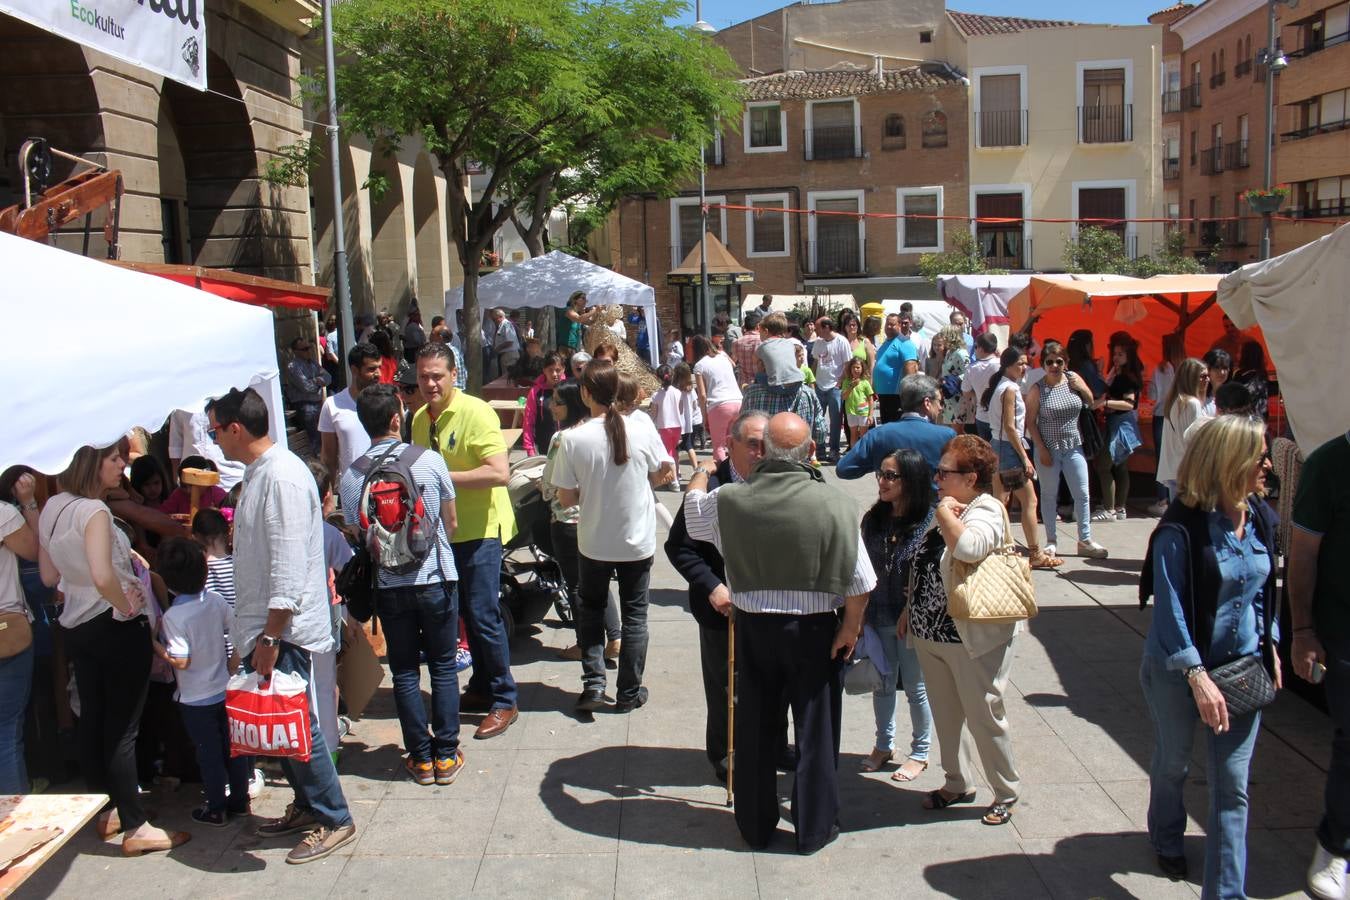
625 805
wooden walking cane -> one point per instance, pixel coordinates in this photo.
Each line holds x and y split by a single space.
731 704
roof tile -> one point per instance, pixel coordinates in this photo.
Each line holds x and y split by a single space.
972 24
818 85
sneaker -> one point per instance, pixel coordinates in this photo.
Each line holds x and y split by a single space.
256 785
1326 875
1120 514
626 706
204 815
344 727
1101 514
319 843
463 659
1092 550
1158 508
294 821
421 771
447 769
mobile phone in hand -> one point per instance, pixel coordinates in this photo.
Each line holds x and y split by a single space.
1318 673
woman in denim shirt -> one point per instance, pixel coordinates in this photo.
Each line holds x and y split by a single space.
1210 564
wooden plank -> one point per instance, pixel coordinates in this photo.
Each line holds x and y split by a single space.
68 812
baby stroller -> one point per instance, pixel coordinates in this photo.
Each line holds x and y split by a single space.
531 579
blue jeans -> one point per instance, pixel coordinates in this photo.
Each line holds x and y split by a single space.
1072 464
905 672
209 729
307 415
1228 759
16 680
423 620
316 786
479 564
834 411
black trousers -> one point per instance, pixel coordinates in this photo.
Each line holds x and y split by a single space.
112 675
890 407
779 655
712 646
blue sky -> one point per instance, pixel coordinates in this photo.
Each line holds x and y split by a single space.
721 13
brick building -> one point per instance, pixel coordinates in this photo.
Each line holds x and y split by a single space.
830 148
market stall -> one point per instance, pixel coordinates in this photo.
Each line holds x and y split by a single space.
983 298
102 349
547 281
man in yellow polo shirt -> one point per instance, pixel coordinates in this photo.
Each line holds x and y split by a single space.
468 435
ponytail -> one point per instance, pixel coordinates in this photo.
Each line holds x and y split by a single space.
601 381
666 374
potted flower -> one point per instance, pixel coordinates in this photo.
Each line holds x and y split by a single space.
1267 200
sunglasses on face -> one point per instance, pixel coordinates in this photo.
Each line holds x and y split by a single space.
1052 362
947 473
884 475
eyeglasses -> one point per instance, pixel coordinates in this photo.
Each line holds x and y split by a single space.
884 475
211 433
1052 362
946 473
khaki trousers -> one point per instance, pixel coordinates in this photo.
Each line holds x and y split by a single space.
968 693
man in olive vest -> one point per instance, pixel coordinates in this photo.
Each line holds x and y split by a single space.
799 580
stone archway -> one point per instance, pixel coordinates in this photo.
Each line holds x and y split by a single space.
321 201
225 226
392 283
430 239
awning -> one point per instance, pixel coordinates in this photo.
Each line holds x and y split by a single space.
723 268
252 289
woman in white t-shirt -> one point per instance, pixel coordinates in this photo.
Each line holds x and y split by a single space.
719 396
1180 408
607 466
1008 424
17 538
107 637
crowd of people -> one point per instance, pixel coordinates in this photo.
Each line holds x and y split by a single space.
157 608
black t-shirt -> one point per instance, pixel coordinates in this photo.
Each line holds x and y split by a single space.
1122 385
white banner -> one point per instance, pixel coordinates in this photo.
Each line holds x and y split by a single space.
164 36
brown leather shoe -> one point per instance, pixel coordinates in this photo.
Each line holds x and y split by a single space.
496 722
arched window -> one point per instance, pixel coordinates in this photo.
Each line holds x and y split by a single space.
893 134
935 129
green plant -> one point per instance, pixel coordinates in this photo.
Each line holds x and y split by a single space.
962 257
292 164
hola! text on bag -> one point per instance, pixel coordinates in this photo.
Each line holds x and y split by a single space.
268 718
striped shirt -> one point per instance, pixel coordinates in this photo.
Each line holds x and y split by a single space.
220 577
1057 420
700 514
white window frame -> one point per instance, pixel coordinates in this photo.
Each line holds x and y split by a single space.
750 200
901 223
860 196
1083 66
975 76
857 118
782 126
1131 228
677 202
1013 188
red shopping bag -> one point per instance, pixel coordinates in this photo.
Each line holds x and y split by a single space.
268 718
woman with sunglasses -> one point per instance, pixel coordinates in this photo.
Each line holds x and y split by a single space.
1016 474
892 531
1053 406
1210 567
965 664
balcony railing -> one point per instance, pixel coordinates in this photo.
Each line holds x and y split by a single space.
1217 79
1190 96
1106 124
1210 232
1321 43
1332 209
1242 67
1211 161
831 142
1171 168
1235 156
836 256
712 154
1171 101
1001 128
1323 128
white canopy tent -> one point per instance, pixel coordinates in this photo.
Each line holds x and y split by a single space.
984 298
99 349
1298 299
548 280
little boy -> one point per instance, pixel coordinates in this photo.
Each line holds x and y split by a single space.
193 628
778 355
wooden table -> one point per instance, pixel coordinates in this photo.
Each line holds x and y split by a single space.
511 435
69 812
502 389
510 412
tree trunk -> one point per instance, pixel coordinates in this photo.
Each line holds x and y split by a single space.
539 213
457 221
472 340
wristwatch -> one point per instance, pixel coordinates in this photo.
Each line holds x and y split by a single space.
1192 671
30 506
268 641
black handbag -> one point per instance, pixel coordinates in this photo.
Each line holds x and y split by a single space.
1090 432
1245 684
356 584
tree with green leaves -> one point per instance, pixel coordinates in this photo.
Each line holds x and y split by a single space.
962 257
1098 251
533 90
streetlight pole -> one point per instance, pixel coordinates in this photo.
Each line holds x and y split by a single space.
1275 63
705 303
341 287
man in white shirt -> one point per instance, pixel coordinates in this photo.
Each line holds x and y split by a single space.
505 342
281 611
188 436
978 375
831 353
342 437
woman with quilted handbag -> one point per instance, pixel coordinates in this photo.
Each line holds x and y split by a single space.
965 661
1210 652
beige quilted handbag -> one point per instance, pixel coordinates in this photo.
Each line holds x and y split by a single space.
998 588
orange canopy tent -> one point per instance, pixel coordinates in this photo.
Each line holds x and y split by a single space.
254 290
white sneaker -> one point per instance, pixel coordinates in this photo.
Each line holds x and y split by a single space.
1120 514
1326 875
1092 550
256 784
1102 514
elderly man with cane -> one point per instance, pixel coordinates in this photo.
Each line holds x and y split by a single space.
799 581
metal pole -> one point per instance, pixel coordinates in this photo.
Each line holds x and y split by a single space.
704 298
341 288
1270 126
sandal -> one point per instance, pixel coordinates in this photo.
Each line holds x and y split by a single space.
908 770
876 760
998 814
936 799
1042 560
